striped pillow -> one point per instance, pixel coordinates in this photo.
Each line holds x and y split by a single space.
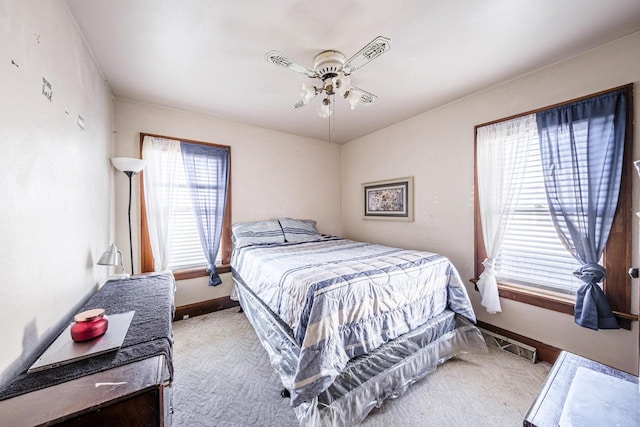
257 233
299 230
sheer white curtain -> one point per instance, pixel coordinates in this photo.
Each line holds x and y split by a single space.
162 156
501 156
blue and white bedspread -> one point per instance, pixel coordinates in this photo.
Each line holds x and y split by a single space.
343 298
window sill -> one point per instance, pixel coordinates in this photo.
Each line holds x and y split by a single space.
199 272
552 302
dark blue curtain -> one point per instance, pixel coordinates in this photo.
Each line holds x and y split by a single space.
207 171
582 153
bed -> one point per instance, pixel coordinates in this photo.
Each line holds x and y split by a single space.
347 324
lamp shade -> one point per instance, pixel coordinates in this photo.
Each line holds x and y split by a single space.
128 164
110 256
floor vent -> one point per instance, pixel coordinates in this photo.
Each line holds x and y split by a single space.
510 345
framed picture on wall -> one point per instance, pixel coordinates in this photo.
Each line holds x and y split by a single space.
388 200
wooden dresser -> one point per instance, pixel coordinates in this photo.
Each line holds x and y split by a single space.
127 387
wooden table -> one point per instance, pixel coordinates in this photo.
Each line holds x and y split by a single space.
128 386
137 395
547 408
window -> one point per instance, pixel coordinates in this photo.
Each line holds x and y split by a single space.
531 247
185 255
185 251
533 265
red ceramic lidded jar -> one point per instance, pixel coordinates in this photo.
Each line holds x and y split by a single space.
89 324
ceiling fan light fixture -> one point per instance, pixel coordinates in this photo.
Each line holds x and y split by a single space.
352 98
341 84
324 110
307 93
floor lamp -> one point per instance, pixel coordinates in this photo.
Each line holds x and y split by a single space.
130 166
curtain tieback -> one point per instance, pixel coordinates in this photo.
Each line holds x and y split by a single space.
214 277
591 273
489 263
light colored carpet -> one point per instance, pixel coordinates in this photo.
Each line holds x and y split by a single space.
223 378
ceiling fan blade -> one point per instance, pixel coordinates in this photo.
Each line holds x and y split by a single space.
282 60
365 98
374 49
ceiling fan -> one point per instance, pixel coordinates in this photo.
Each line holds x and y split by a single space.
334 70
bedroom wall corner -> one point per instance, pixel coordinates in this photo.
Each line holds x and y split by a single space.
55 179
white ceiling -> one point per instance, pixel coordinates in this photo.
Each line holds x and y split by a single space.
208 55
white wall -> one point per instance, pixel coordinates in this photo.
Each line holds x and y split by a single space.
273 175
55 179
437 148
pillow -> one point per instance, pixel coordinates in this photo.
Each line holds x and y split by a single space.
299 230
257 233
